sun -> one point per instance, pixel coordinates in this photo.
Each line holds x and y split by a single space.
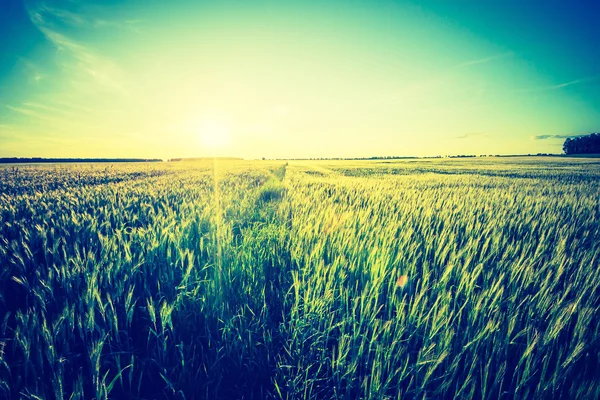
214 134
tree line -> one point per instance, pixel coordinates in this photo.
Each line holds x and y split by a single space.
29 160
589 144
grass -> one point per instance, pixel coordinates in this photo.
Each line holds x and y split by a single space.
349 279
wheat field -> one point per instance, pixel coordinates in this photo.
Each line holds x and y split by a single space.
389 279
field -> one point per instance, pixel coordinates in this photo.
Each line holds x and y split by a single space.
395 279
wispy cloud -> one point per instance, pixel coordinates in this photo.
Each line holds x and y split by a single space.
27 111
559 86
69 105
546 137
471 135
485 60
33 72
130 25
79 14
46 14
432 85
48 108
51 118
77 60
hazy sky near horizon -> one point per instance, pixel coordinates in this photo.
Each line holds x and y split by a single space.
155 78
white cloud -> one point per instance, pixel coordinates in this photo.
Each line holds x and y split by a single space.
471 135
559 86
486 59
80 62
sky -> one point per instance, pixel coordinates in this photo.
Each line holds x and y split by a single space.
291 79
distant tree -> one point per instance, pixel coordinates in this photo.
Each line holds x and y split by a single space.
589 144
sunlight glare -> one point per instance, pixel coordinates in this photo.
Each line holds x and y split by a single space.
214 134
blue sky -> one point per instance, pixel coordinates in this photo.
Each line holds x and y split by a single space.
288 79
